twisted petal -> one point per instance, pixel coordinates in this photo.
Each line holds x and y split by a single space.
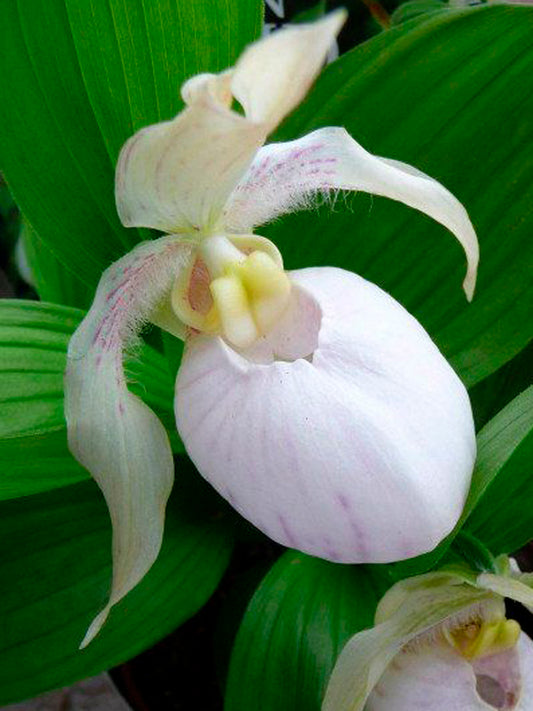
112 432
176 176
435 677
273 75
283 177
349 437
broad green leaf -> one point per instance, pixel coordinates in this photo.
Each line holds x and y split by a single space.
135 54
495 392
453 96
295 626
33 446
133 58
502 517
55 563
53 281
51 150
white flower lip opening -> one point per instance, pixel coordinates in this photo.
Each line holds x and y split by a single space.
366 454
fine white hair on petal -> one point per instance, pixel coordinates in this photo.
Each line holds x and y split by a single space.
359 451
285 177
112 432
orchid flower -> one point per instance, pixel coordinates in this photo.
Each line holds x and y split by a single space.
441 641
311 400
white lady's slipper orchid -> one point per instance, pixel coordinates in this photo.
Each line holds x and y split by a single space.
441 641
311 400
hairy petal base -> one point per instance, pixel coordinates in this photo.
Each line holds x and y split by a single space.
283 177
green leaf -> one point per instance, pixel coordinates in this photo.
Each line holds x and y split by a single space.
53 281
453 96
501 502
76 84
146 50
294 628
495 392
55 557
418 9
34 338
51 150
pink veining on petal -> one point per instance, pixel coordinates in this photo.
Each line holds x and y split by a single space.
284 180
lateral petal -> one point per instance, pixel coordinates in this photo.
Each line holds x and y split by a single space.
111 431
357 450
283 177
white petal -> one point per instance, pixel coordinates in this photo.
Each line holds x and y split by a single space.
176 176
112 432
284 176
362 455
434 678
274 74
525 652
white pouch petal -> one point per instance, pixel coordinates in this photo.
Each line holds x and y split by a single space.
355 443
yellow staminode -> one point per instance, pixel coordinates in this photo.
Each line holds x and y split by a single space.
249 298
249 291
482 639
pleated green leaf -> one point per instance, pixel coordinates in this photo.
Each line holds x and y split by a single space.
295 626
76 84
453 96
55 563
34 338
502 517
52 280
134 55
51 151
